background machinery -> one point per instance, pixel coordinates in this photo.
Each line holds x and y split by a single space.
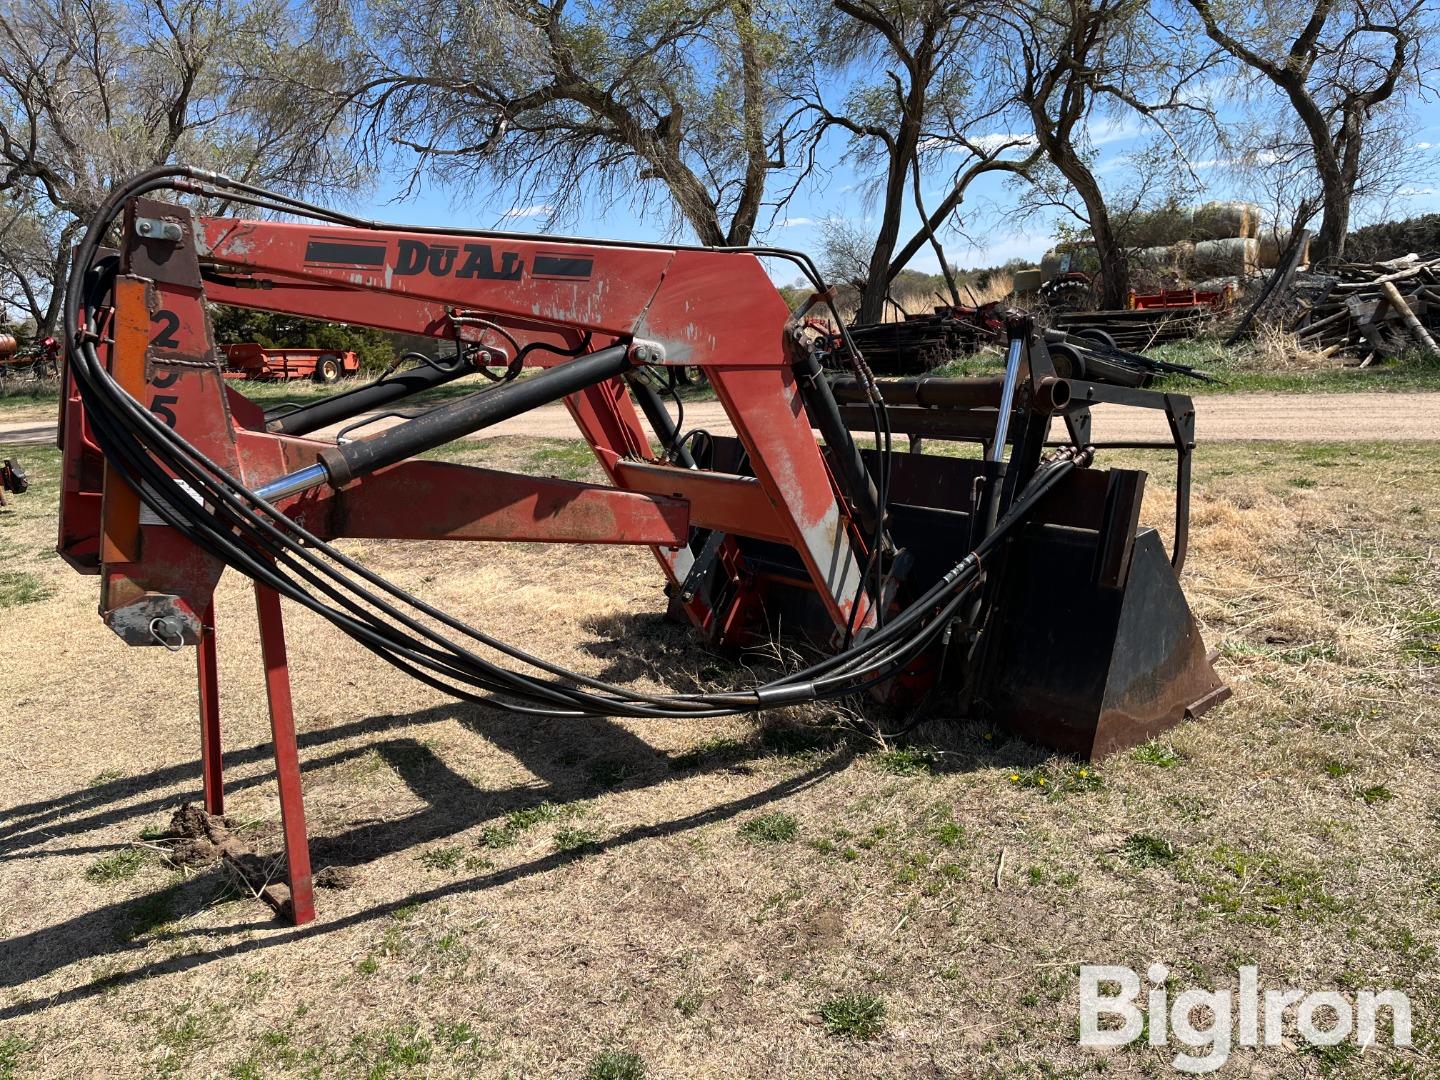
247 360
1015 586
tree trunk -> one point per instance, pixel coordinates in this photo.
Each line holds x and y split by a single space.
1114 267
1334 222
752 69
877 276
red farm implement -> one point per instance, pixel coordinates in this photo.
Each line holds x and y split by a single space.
1016 586
248 360
1215 299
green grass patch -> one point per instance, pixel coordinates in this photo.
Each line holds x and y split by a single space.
119 865
391 1051
610 772
855 1015
569 838
18 587
616 1065
12 1048
1147 849
149 914
565 458
442 858
1057 780
907 761
1422 635
773 828
1376 793
1161 755
518 822
1257 888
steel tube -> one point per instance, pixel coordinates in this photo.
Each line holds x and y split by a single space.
659 416
351 403
449 422
1052 394
1007 397
338 465
927 392
860 491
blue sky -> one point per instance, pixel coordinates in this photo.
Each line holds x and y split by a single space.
841 193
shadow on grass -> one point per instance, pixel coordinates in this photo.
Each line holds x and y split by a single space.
452 805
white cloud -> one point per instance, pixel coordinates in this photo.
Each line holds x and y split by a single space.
793 222
1424 146
1111 130
529 211
1411 192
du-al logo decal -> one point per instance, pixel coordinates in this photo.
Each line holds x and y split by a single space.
468 260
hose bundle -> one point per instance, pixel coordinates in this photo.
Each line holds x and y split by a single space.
219 514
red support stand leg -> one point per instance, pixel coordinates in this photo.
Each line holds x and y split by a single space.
212 769
287 756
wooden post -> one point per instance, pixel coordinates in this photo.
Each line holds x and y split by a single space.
1415 326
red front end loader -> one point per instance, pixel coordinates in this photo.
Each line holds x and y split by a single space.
1016 586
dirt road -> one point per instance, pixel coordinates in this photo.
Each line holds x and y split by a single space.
1272 417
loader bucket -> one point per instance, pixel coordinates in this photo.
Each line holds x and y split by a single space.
1084 666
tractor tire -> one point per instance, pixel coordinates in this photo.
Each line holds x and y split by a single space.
1100 336
1068 361
1069 294
328 370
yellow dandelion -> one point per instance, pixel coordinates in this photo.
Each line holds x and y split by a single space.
1014 777
1042 780
1084 772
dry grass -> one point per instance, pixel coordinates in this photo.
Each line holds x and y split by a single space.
537 898
999 285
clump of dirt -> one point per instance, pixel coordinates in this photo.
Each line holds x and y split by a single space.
198 839
337 877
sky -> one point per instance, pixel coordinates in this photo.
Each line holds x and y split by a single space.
983 238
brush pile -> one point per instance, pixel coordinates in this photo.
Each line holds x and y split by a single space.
922 342
1138 329
1370 311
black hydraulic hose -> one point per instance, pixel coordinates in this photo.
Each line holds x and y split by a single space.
251 535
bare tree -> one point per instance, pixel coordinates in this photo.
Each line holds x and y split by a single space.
914 115
92 91
1337 63
1074 65
560 100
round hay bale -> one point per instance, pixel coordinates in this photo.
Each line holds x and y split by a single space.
1226 220
1221 258
1156 256
1271 250
1050 264
1166 256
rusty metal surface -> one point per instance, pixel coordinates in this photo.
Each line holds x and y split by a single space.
434 500
1087 669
